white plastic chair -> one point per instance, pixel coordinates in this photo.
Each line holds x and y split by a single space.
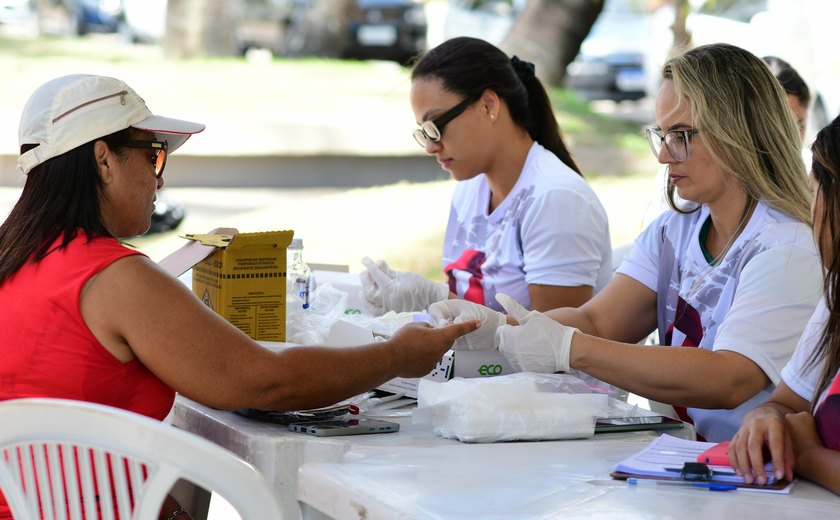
135 458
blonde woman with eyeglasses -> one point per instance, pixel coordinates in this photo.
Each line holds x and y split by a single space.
523 221
729 278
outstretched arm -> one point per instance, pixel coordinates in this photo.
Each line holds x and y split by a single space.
136 309
674 375
625 310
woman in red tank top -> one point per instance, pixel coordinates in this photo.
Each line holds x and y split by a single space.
83 317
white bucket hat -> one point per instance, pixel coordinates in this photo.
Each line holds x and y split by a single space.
70 111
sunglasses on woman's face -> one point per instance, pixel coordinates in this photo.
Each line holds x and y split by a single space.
432 131
159 158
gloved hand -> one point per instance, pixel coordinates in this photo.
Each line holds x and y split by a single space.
457 311
388 290
538 343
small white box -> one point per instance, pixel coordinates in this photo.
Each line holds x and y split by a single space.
480 363
346 334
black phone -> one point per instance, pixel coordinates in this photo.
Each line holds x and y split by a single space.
344 427
624 424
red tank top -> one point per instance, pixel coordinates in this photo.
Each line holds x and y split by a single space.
47 350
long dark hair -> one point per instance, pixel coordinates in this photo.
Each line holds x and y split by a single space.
470 66
60 198
826 171
790 80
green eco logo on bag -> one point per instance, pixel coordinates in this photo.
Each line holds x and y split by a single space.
490 370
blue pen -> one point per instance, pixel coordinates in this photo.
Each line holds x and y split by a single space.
711 486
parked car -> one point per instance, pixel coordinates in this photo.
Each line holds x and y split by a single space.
259 23
18 17
612 60
77 17
489 20
168 214
386 29
803 33
143 21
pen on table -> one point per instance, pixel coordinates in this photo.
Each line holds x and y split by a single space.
711 486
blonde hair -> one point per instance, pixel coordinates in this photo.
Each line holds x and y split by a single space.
745 122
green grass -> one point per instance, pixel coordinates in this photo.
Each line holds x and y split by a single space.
579 122
367 101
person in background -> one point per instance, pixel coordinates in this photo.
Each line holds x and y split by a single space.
799 424
797 91
84 317
523 221
729 281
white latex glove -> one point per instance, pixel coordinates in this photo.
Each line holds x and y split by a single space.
457 311
388 290
538 343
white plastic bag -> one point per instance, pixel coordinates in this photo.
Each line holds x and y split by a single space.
311 326
328 305
522 406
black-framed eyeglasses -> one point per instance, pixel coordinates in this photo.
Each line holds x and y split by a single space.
160 149
676 141
433 130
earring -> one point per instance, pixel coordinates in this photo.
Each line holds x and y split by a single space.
492 117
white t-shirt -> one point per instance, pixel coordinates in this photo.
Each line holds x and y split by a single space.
798 374
755 301
551 230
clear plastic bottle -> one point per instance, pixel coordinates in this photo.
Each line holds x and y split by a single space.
297 276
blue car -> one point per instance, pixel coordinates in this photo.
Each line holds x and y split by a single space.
78 17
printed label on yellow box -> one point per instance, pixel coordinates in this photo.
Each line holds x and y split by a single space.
244 280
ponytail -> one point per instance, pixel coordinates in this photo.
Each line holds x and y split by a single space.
543 126
470 66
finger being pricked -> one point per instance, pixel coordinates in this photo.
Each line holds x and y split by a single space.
458 328
440 338
420 346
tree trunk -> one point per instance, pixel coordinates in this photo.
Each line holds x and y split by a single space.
682 38
549 34
200 28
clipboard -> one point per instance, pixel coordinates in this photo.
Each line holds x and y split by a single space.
669 458
778 486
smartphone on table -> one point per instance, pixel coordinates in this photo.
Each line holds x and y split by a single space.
625 424
344 427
